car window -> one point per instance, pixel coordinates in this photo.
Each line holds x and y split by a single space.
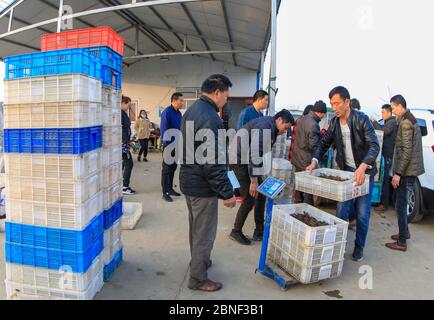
423 128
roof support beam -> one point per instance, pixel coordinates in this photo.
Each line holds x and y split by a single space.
190 17
159 16
96 11
10 8
144 28
189 53
228 30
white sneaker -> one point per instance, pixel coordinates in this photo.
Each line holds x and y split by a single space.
128 191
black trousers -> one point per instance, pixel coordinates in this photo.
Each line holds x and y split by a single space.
144 148
168 175
242 173
385 194
127 167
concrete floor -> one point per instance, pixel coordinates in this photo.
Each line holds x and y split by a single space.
156 257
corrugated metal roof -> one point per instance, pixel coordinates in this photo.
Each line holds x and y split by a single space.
206 25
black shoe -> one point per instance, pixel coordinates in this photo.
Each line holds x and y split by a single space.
146 160
167 198
128 191
357 254
173 193
258 236
139 160
239 237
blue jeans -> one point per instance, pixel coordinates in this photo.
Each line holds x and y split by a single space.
406 185
362 211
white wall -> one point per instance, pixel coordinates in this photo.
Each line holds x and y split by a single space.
152 81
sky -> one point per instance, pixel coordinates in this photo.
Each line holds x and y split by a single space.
374 48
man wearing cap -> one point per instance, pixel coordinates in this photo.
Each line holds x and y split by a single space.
307 139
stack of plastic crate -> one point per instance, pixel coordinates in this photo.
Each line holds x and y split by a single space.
106 44
309 254
54 203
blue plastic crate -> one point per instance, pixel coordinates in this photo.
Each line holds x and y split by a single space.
78 262
111 78
113 265
53 63
109 57
53 141
113 214
51 238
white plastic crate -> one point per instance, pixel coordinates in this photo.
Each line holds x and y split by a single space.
111 97
19 291
113 234
55 215
52 190
302 273
282 169
53 166
67 114
336 231
53 279
111 174
111 155
330 189
73 87
112 136
110 251
111 116
132 212
304 255
112 194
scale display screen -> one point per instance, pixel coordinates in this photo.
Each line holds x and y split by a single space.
271 187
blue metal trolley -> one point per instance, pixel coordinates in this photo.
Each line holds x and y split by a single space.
271 188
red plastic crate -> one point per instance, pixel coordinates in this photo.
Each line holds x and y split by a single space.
83 38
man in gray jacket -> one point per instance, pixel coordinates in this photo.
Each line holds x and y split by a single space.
307 139
407 165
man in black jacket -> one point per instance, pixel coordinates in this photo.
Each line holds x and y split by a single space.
203 179
127 158
249 171
390 130
357 149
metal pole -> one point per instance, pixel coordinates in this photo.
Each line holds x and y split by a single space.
11 17
273 57
59 21
261 81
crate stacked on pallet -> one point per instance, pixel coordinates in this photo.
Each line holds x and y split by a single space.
53 161
106 44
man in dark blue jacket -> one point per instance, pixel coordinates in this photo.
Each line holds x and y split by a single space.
204 181
170 120
254 141
127 158
260 103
